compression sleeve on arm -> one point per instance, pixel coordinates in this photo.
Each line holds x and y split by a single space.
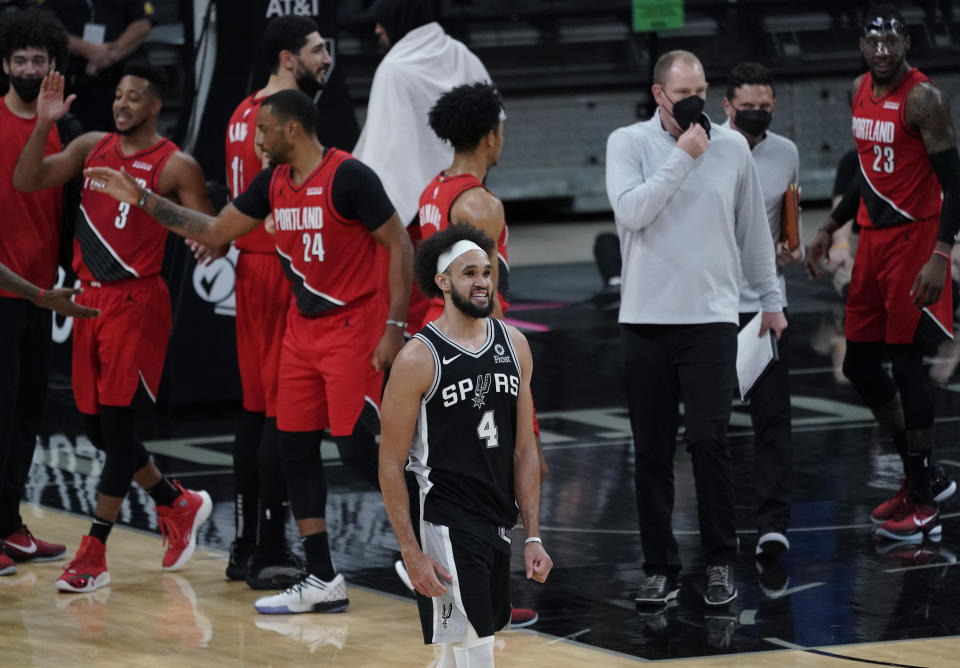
946 165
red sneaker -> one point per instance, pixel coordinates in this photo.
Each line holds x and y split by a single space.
7 565
917 522
523 617
88 570
22 545
178 525
893 506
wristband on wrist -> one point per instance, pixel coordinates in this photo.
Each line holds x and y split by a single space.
398 323
143 198
36 300
533 539
946 256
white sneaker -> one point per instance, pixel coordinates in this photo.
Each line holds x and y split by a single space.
311 594
401 570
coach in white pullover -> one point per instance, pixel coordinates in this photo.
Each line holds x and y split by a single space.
690 215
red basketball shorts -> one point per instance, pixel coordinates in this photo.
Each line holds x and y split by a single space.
263 296
122 348
326 375
879 306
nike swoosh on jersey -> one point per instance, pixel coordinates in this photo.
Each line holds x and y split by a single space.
447 361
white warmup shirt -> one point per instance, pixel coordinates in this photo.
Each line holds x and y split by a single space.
688 227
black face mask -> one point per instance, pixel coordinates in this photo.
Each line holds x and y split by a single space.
27 89
753 122
688 111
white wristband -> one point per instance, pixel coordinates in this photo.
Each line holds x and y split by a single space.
533 539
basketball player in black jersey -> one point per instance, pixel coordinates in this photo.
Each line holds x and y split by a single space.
457 411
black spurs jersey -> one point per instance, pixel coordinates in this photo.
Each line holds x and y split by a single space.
462 450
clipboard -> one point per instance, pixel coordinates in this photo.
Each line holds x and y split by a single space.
790 217
756 355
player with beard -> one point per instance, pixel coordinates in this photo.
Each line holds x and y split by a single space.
118 358
334 224
32 43
459 392
900 302
298 58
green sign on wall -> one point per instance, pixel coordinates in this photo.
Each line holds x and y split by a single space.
653 15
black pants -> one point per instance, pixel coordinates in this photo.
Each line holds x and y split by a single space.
24 342
664 365
772 441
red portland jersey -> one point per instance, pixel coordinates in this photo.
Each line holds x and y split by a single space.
243 165
435 203
329 260
900 184
30 235
114 240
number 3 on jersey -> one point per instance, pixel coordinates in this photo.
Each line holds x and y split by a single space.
123 210
487 430
312 245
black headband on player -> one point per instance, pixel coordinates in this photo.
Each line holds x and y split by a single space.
885 24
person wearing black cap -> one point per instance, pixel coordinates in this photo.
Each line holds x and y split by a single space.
900 304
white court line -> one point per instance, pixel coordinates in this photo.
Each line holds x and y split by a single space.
917 568
747 532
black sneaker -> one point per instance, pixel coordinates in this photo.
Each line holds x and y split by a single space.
274 570
720 588
239 556
941 485
772 542
773 577
657 590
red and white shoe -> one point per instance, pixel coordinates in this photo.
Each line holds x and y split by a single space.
894 506
88 570
7 565
917 522
178 525
22 545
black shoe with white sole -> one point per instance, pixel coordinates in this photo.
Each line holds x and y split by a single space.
772 543
658 589
720 587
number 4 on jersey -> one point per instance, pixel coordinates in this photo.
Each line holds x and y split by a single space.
487 430
312 245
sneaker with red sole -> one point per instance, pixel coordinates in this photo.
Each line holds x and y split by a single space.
22 545
178 524
523 617
917 522
893 506
7 565
88 570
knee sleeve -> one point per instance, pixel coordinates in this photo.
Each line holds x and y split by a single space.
472 651
125 454
302 468
915 395
863 366
359 451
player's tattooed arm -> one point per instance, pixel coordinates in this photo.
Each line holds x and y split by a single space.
928 112
211 232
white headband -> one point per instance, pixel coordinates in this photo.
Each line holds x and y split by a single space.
456 250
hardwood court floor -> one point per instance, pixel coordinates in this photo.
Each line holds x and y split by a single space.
196 618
